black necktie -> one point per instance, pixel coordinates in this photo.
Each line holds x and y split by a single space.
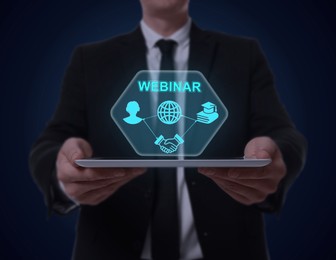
165 225
167 50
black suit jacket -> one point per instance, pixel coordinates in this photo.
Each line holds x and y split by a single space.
96 77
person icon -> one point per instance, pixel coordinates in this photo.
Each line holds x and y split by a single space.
132 108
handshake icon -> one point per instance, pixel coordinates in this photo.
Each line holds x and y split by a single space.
169 145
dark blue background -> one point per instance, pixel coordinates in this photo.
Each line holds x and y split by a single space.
37 38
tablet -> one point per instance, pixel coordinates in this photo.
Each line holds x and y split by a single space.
166 163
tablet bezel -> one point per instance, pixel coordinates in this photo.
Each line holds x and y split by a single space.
168 163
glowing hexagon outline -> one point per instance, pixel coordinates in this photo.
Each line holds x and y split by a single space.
170 71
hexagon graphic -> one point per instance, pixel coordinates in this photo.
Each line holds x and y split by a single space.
169 113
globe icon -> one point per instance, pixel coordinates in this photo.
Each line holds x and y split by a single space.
169 112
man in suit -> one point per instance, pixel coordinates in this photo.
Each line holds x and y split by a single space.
220 209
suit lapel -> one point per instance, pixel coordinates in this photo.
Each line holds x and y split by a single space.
202 51
134 52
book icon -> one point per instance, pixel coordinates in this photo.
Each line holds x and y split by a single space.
209 113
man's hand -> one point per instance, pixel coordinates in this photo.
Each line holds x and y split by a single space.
251 185
88 186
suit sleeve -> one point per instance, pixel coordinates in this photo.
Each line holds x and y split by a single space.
268 117
68 121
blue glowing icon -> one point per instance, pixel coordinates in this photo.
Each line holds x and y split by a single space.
132 108
169 112
169 145
209 113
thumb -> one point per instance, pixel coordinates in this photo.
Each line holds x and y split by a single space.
260 148
85 148
76 148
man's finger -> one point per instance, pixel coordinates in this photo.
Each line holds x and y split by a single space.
95 196
264 185
73 149
258 173
76 189
235 173
88 174
237 197
247 192
208 171
136 171
260 148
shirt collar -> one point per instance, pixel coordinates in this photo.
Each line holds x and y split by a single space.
181 36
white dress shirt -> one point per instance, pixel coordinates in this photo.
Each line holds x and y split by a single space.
189 245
